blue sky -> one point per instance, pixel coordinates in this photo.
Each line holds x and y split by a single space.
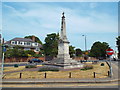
97 20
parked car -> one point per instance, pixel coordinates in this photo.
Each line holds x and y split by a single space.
101 58
35 60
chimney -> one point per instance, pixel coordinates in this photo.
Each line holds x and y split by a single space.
33 38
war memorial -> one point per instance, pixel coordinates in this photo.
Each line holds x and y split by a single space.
63 60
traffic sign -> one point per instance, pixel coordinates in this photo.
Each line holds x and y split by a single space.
110 51
3 48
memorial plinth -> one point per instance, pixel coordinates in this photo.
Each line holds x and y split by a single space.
63 59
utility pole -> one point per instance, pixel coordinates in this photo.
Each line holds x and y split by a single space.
85 57
85 42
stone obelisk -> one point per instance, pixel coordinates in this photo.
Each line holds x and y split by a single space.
63 58
63 45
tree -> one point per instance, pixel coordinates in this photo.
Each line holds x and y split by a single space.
78 52
36 39
51 45
118 45
29 52
99 49
71 51
15 52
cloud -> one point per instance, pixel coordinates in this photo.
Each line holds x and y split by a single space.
42 18
93 5
49 17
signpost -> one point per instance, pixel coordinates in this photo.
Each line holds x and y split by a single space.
110 52
3 50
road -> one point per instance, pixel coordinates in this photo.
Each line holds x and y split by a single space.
73 85
19 63
25 63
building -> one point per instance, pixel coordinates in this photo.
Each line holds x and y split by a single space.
24 43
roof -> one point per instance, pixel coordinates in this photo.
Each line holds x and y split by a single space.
22 39
19 39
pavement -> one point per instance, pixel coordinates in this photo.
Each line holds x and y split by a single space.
114 78
47 81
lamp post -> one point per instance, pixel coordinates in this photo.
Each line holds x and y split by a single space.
85 57
75 53
85 43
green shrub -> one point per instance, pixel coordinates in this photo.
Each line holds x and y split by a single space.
87 67
48 69
30 66
15 65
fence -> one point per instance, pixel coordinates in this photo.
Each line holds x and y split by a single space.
45 75
22 59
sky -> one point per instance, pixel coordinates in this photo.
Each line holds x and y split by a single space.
97 20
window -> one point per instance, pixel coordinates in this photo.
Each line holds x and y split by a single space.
37 49
36 44
18 42
21 43
25 43
28 43
15 42
12 42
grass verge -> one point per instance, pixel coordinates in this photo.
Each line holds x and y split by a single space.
102 70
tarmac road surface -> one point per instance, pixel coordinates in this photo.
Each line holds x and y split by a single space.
77 85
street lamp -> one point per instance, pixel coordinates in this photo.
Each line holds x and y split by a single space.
85 43
85 57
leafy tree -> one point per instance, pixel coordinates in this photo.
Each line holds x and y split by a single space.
71 51
118 45
51 45
78 52
36 39
42 53
29 52
15 52
99 49
9 53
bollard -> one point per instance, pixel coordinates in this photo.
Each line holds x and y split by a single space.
70 75
94 74
20 75
108 73
45 74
